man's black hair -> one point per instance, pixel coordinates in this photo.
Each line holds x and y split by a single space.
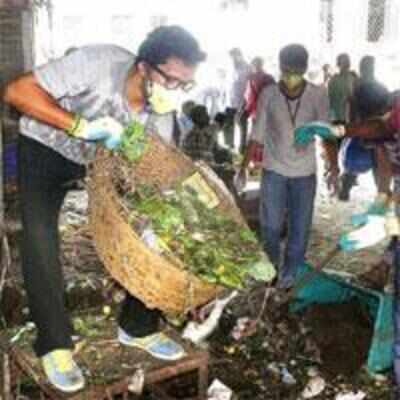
343 56
220 118
199 116
295 57
170 41
372 99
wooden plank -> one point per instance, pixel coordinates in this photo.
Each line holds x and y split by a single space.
112 365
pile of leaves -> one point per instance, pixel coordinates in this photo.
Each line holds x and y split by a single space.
210 245
177 223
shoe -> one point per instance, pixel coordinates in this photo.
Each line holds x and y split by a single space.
158 345
62 371
286 284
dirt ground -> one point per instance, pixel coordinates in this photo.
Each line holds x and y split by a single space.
253 367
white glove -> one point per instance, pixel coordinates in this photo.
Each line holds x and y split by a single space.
376 229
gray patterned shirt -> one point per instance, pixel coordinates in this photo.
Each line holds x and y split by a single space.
89 81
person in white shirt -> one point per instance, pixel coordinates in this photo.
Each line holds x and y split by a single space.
242 71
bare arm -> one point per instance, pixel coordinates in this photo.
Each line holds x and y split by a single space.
28 97
253 151
255 147
372 130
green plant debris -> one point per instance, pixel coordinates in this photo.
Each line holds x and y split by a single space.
134 141
209 244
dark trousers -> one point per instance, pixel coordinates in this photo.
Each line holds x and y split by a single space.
243 127
43 177
229 129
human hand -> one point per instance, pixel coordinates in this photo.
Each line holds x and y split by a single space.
375 230
105 129
256 153
304 134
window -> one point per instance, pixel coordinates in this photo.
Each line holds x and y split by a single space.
326 18
376 20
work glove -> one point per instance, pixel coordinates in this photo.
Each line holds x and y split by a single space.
379 206
376 229
305 134
104 129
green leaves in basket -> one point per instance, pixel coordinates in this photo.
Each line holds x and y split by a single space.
133 142
210 245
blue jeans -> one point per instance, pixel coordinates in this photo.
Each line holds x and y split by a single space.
296 196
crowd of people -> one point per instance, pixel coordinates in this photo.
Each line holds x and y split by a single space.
66 114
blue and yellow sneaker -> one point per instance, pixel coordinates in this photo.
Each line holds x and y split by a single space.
62 371
157 345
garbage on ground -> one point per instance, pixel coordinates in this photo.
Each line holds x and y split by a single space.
287 377
312 372
359 395
197 333
136 382
244 327
380 378
281 372
314 387
29 326
219 391
274 368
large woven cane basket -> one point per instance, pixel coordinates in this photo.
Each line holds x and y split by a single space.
160 282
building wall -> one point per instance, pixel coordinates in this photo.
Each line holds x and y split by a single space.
16 57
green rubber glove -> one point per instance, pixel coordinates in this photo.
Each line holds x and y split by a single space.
305 134
379 206
376 229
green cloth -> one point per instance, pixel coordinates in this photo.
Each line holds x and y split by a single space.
340 90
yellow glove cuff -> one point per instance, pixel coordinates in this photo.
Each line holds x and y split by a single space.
78 127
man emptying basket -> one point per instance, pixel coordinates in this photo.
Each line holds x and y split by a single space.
70 105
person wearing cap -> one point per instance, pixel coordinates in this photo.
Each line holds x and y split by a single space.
70 106
289 174
258 79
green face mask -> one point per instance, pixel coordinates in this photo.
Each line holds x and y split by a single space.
291 80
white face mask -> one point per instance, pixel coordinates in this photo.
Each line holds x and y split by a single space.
162 100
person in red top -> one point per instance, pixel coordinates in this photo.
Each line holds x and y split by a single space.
258 79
